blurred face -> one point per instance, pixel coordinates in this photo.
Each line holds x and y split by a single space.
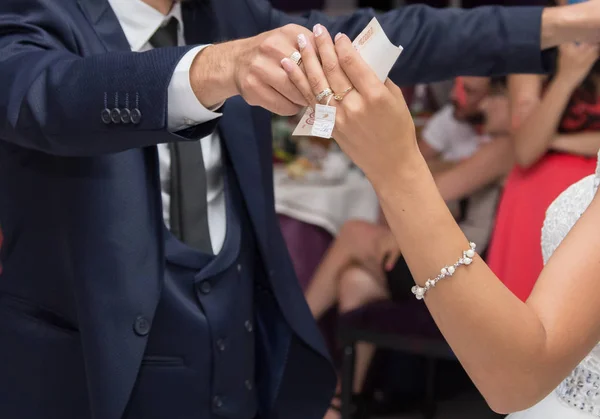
467 94
496 110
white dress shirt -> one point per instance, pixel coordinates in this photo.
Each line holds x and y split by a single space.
454 140
139 22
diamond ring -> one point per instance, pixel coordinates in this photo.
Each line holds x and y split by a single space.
325 93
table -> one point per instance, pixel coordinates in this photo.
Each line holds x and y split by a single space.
323 205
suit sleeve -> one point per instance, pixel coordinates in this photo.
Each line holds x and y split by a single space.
440 44
52 98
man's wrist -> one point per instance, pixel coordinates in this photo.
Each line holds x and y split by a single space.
550 27
212 75
565 24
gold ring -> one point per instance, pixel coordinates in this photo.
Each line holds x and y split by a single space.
325 93
296 57
340 96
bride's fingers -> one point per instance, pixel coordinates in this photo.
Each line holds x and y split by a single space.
297 76
312 66
362 77
331 67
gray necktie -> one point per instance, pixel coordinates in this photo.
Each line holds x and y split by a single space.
188 208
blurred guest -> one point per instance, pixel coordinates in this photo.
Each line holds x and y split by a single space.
452 133
364 263
556 124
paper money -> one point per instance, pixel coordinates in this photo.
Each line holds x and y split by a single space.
378 52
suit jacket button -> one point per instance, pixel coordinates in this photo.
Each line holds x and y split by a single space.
205 287
105 115
125 116
136 116
221 345
115 115
141 327
249 385
248 326
218 402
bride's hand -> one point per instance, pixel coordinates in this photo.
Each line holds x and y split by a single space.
373 124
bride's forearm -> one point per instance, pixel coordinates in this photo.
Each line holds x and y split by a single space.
499 340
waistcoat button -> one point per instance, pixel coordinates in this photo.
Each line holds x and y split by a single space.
248 326
221 345
218 402
205 287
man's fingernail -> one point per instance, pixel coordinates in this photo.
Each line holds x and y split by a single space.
318 30
287 64
338 36
302 41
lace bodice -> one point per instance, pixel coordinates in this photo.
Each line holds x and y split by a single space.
581 389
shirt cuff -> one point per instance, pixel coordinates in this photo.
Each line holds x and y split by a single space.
184 109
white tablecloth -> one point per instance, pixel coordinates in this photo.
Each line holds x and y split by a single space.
327 206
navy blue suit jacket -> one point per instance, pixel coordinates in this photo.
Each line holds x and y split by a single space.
80 201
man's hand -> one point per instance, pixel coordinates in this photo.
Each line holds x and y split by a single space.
388 249
573 23
371 245
251 68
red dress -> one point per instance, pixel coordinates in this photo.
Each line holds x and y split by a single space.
515 253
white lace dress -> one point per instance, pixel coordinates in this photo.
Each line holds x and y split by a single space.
578 396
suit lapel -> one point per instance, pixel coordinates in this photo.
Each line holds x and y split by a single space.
239 128
238 133
105 23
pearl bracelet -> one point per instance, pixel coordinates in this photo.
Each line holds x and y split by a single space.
466 259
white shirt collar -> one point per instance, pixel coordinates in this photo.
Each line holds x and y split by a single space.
139 20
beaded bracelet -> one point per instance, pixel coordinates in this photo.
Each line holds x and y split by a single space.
466 259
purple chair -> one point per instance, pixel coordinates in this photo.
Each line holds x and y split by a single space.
307 244
406 327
